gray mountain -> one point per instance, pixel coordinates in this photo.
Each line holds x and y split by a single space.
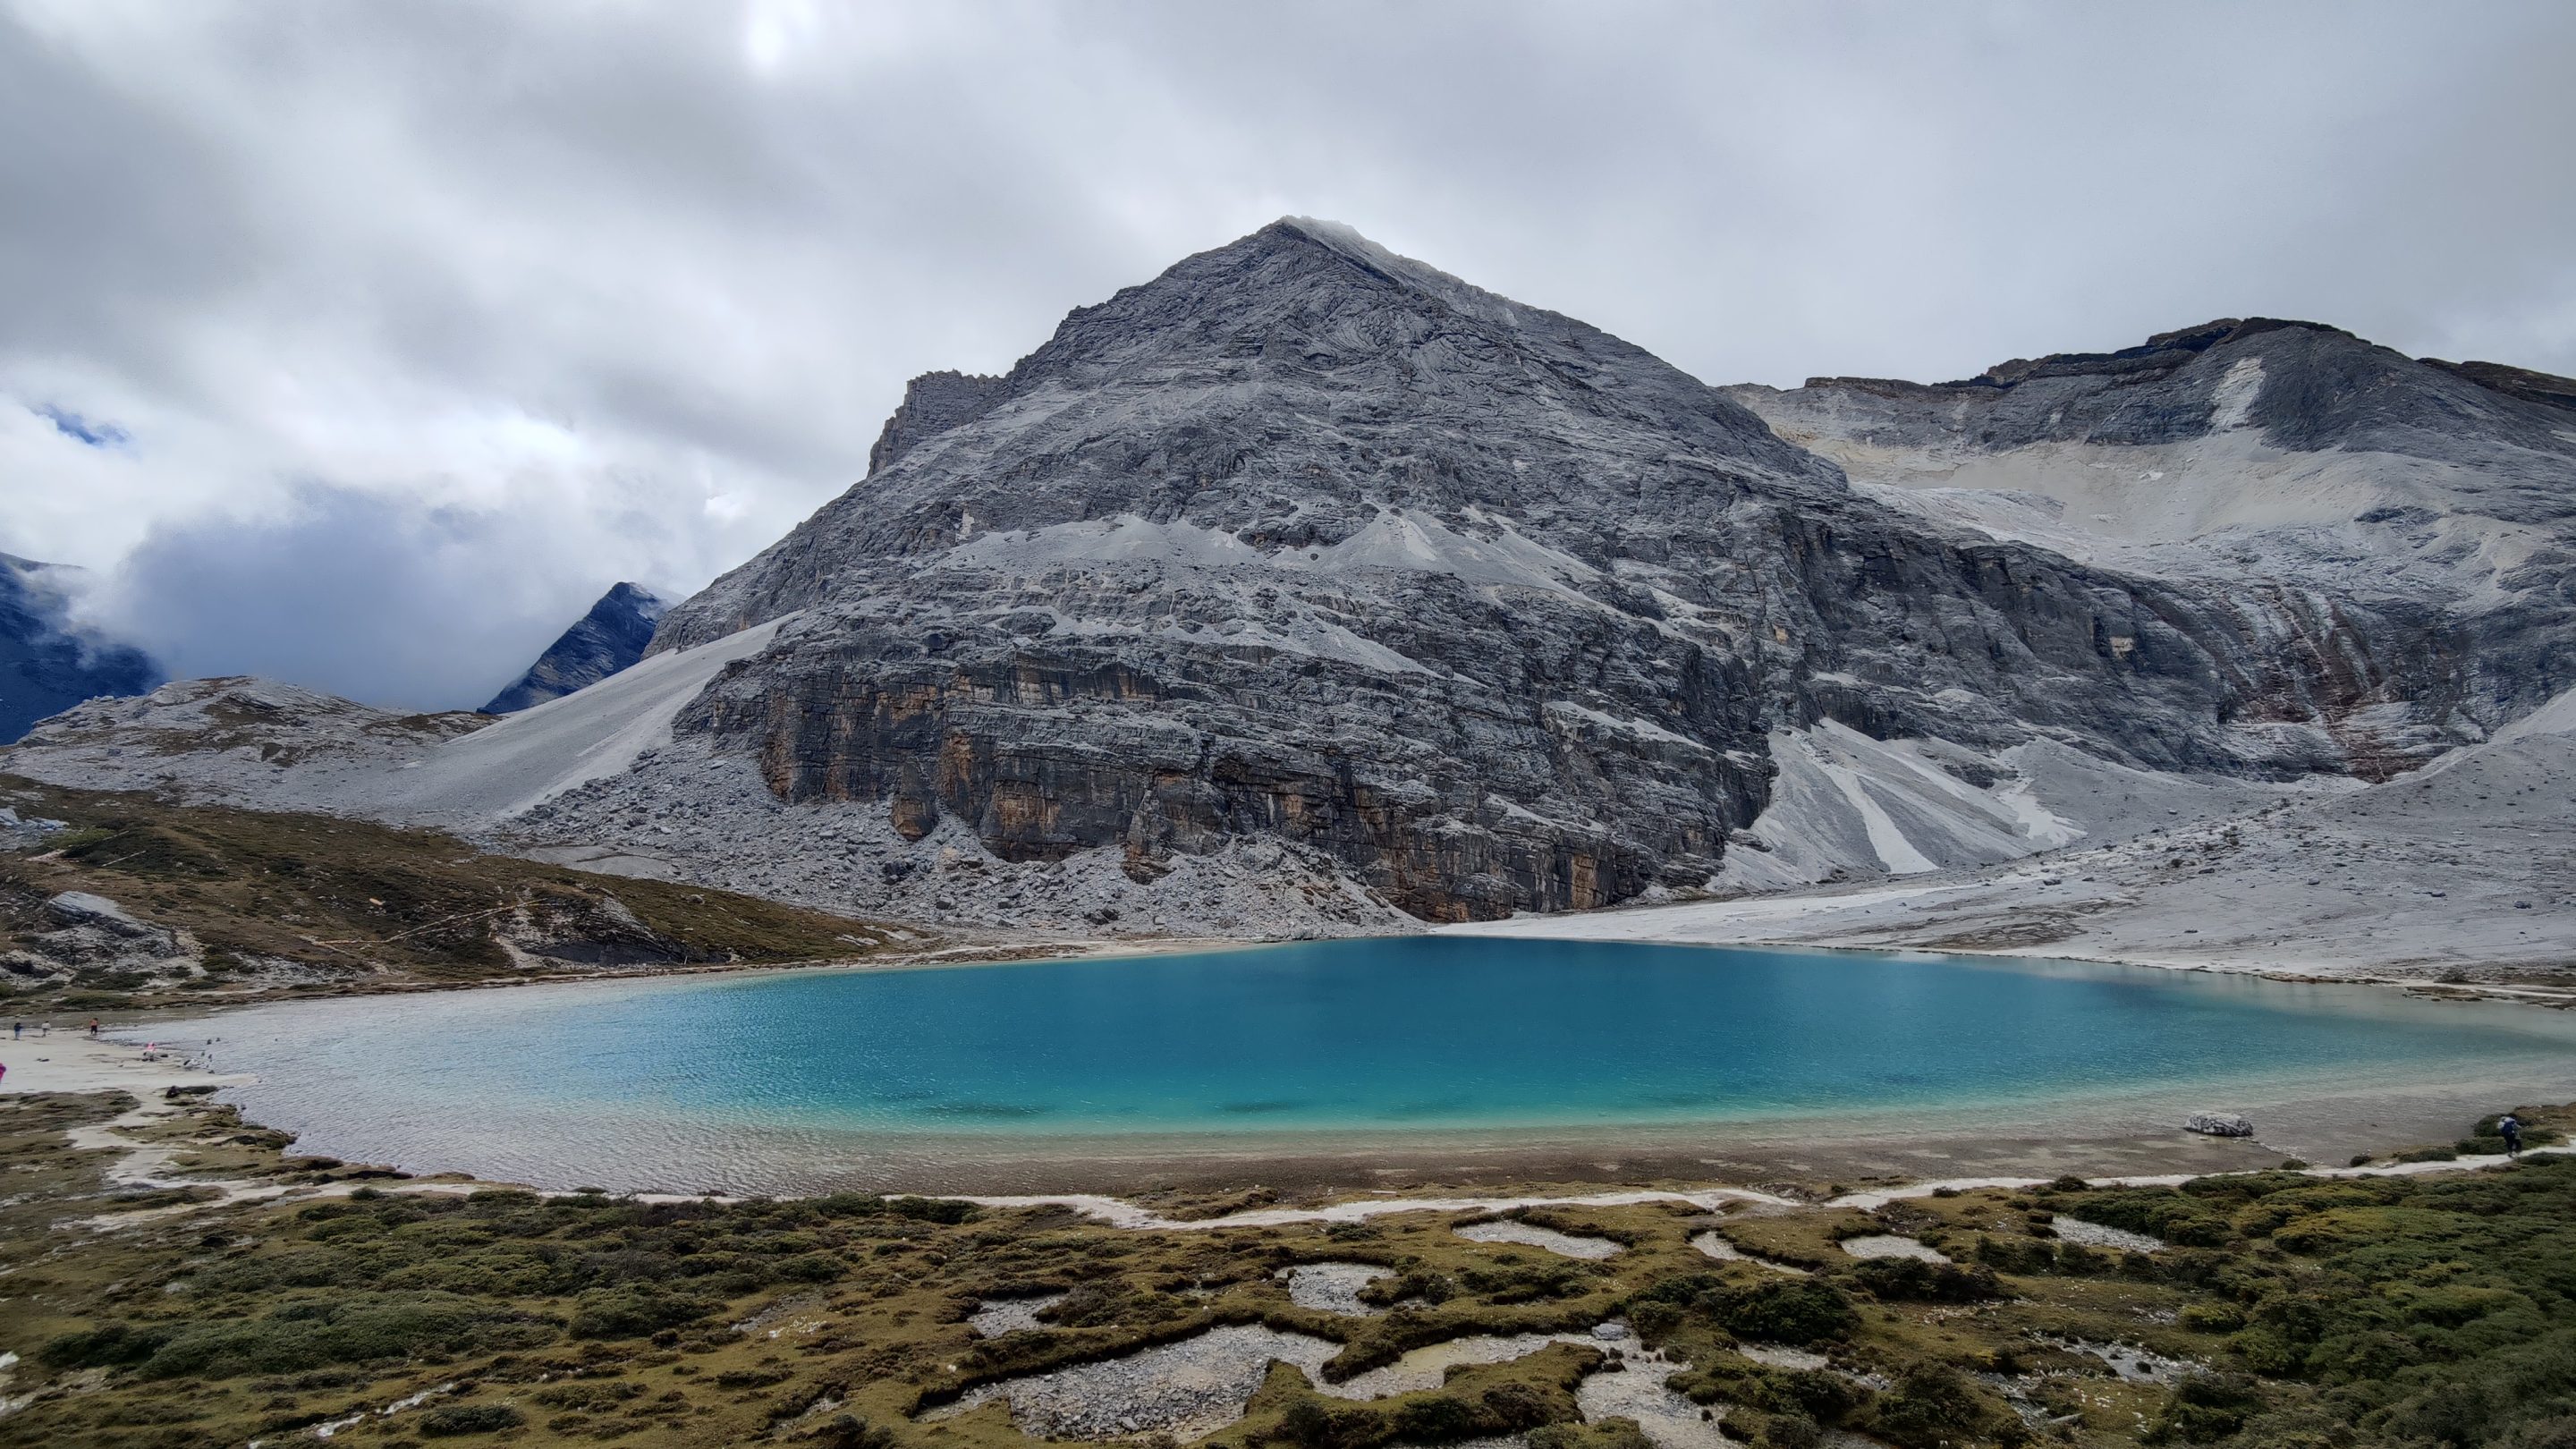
611 637
1305 539
1304 587
47 666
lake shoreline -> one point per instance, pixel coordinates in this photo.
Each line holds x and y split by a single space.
1509 1162
2136 1134
1853 917
1808 1170
1053 949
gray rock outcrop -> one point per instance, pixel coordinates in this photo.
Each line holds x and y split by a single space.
98 913
89 937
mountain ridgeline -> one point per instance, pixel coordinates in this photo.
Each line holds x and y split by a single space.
1305 539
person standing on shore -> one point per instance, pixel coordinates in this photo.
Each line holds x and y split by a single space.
2510 1129
93 1028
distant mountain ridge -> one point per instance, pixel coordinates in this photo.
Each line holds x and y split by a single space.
611 637
46 665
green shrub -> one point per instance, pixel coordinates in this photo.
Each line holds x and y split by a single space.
1803 1311
1653 1320
1436 1419
1801 1393
2160 1213
1515 1406
1608 1434
2212 1317
2531 1136
1309 1424
1790 1433
633 1312
809 1268
1913 1280
115 1345
593 1394
751 1378
310 1334
456 1419
849 1431
2205 1408
946 1211
1932 1405
2015 1254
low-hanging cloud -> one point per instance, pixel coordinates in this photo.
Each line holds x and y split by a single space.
390 601
635 285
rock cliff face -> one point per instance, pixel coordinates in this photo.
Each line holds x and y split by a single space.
2417 519
611 637
46 666
1309 541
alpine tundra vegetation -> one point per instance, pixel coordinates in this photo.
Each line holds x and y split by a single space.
230 1292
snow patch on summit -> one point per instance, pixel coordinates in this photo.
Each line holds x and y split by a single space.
2232 401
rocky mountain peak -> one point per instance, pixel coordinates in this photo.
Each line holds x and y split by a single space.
1284 391
604 641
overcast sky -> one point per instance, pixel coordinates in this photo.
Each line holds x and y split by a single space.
363 345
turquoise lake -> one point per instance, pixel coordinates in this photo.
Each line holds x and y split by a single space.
1413 1035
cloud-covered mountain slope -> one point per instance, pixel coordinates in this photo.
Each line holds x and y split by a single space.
46 664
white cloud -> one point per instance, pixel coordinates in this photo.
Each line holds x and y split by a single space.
637 284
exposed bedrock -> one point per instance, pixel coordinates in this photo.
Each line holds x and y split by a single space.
1304 539
1421 787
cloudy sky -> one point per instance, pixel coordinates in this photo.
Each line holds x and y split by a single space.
363 345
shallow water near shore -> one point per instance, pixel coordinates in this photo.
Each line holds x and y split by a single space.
775 1081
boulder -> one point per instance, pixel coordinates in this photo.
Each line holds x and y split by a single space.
91 929
2218 1124
80 908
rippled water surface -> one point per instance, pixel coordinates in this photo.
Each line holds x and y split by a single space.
1407 1035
